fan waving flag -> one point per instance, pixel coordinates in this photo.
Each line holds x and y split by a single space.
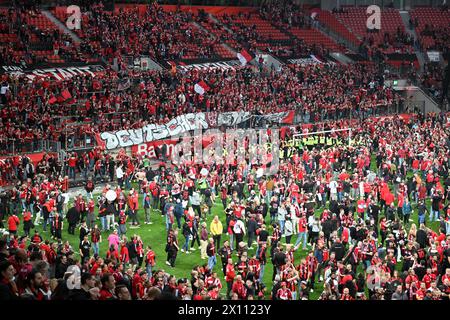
201 88
245 57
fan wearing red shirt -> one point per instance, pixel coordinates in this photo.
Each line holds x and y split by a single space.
346 295
410 279
214 293
420 294
108 286
446 276
27 224
428 278
362 206
294 192
230 274
138 289
239 288
13 223
150 261
213 281
124 255
133 205
284 293
72 163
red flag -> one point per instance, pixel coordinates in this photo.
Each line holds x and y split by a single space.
52 100
201 88
66 94
289 118
245 57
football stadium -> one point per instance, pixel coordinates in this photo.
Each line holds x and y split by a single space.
224 150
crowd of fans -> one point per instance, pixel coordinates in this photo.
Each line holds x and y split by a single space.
349 216
155 33
35 44
335 220
440 37
30 113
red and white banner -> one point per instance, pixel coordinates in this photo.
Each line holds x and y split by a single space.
149 148
55 73
245 57
201 88
185 123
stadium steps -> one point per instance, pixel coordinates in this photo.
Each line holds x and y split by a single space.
210 16
228 46
339 19
335 29
419 54
61 26
432 16
342 58
222 49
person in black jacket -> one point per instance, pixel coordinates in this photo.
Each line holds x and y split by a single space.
338 248
421 236
73 217
251 230
225 254
61 266
278 260
195 235
446 83
276 286
374 211
327 229
8 288
84 231
84 293
132 252
187 234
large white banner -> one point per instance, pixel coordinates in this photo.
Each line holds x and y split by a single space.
54 73
152 132
222 65
185 123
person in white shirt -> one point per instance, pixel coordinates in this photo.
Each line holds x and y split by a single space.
3 90
195 203
119 175
282 217
333 185
239 231
288 229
